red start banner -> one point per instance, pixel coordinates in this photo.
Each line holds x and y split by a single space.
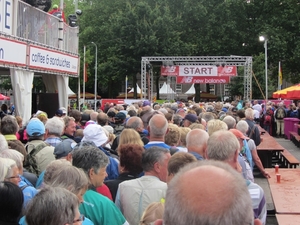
202 80
198 71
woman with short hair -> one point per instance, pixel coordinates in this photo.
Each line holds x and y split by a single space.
54 206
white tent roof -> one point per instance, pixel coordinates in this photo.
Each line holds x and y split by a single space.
191 90
138 90
166 89
70 92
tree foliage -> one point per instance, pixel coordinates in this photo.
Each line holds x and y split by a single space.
126 30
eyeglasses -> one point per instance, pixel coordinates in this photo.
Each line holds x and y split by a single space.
81 218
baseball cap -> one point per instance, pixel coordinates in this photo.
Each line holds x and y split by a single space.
63 109
120 116
35 127
64 148
55 6
191 117
59 113
94 133
238 134
146 102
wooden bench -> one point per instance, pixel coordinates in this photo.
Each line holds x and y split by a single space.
288 160
295 138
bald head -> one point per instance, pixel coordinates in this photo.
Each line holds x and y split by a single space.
196 141
102 119
221 196
158 126
93 116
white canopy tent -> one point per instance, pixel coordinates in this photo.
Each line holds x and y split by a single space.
166 89
191 90
138 90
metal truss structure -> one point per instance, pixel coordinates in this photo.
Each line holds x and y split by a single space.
147 69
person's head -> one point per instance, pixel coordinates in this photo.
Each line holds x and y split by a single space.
178 161
207 116
197 126
76 115
242 126
177 119
249 114
240 137
9 171
35 129
172 138
93 116
130 136
131 158
158 126
15 156
190 119
202 205
95 133
93 162
169 117
11 202
54 126
70 125
153 212
9 125
102 119
223 146
53 206
183 133
55 6
196 141
68 177
19 121
230 121
155 162
64 149
215 125
135 123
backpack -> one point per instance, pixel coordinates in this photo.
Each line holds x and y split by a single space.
247 153
31 163
268 119
280 113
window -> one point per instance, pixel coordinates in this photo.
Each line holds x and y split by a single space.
226 90
212 89
178 88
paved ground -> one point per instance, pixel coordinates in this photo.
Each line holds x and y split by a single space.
287 144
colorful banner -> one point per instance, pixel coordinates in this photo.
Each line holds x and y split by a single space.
202 80
192 70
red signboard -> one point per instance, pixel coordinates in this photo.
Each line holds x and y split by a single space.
202 80
227 71
169 70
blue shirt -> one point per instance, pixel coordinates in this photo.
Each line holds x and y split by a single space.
28 192
157 144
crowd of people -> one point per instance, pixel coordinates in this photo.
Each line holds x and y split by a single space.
145 163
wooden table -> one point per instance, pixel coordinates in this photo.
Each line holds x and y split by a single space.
286 194
285 219
266 149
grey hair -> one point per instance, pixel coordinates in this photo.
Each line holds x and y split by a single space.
89 157
134 122
178 211
52 206
153 155
68 177
6 166
67 120
215 125
249 114
14 155
158 132
242 126
55 126
207 116
230 121
222 145
3 143
9 125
